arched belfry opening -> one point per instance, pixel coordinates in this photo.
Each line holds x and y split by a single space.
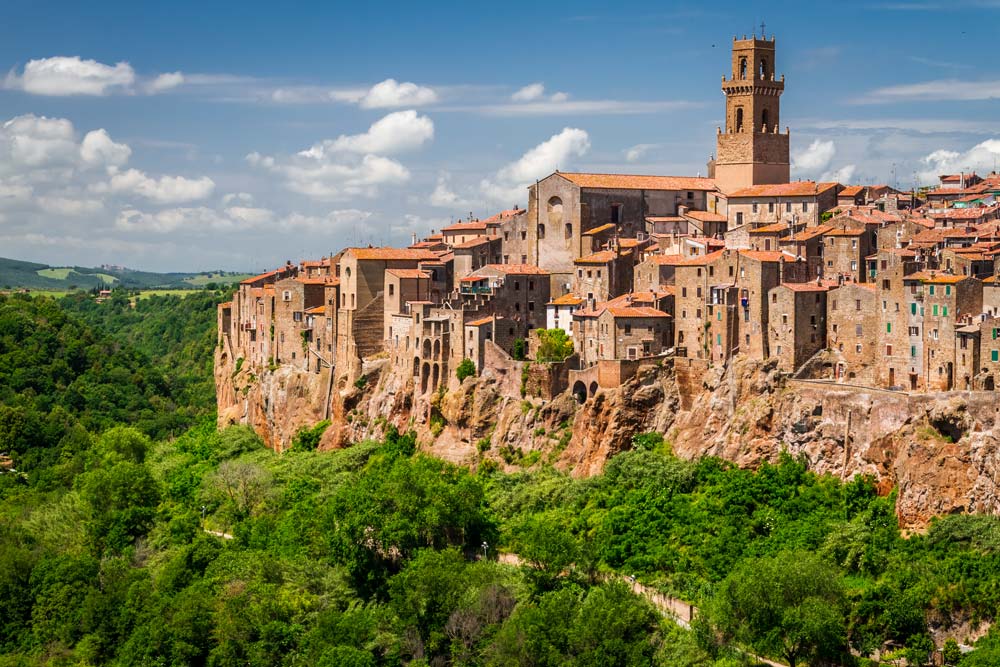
739 119
743 68
763 121
764 73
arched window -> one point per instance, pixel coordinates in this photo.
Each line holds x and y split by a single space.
739 119
541 231
569 230
763 68
763 120
743 68
554 211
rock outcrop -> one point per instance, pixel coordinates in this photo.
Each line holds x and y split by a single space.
938 450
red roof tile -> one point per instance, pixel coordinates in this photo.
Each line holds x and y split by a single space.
796 189
638 182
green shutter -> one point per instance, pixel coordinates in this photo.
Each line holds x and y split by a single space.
913 350
947 290
944 311
913 309
932 290
888 327
994 355
994 334
935 310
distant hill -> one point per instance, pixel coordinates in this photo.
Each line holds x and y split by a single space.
15 274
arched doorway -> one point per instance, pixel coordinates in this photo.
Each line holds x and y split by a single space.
593 389
580 391
437 375
425 376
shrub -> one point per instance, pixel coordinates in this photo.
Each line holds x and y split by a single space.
519 349
361 382
553 345
465 369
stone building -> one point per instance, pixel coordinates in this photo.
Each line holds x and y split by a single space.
844 253
603 275
852 323
559 312
655 272
797 322
750 150
610 332
798 203
947 300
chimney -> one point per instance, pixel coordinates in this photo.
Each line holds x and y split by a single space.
413 238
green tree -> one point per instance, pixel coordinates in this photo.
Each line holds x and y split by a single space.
307 439
951 653
553 345
519 349
122 502
465 369
789 605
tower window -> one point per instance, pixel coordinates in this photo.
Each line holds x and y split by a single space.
763 68
743 68
763 120
739 119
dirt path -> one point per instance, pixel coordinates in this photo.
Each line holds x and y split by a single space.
679 611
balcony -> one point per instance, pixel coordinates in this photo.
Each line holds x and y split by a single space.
476 289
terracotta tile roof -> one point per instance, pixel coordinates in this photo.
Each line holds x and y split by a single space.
636 299
518 269
633 243
503 215
701 260
806 234
667 260
851 191
601 257
635 311
316 310
768 255
319 280
772 228
638 182
664 218
566 300
474 226
480 322
598 230
473 279
962 213
935 278
705 216
227 304
796 189
992 280
262 276
391 254
472 243
409 273
845 232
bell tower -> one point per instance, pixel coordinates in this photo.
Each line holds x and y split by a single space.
750 150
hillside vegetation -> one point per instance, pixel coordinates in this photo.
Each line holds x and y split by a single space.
134 533
17 274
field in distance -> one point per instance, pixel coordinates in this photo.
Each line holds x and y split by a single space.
16 274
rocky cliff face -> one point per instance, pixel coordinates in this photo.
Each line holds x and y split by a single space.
939 450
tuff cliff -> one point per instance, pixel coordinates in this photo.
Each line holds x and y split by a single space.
938 450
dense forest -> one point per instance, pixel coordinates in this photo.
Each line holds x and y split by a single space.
132 532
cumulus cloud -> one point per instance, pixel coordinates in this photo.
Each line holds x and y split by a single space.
982 157
535 92
162 190
816 157
70 206
444 197
637 152
395 133
243 198
352 165
98 148
37 141
529 93
391 93
165 82
508 184
169 220
202 219
71 75
841 175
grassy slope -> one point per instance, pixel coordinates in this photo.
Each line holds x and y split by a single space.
17 274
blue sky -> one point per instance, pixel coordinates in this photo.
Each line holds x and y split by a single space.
194 136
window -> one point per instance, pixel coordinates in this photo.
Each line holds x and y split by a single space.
805 206
914 331
857 330
934 310
590 274
886 284
628 329
857 304
753 207
297 316
888 327
854 244
834 307
888 350
770 207
531 285
913 309
947 290
854 265
739 218
541 231
524 235
932 290
286 295
788 207
944 311
392 289
684 293
913 351
616 213
784 319
857 348
739 118
994 355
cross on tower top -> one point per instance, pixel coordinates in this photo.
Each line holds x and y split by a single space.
762 26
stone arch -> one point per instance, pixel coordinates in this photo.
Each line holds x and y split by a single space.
739 119
593 388
764 72
580 391
763 121
554 211
425 376
437 350
427 349
437 375
743 68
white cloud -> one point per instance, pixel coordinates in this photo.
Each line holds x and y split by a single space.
165 82
529 93
560 104
14 193
842 175
507 186
444 197
637 152
69 206
97 148
816 157
395 133
352 165
71 75
332 222
243 198
250 215
951 90
37 141
391 93
982 157
162 190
